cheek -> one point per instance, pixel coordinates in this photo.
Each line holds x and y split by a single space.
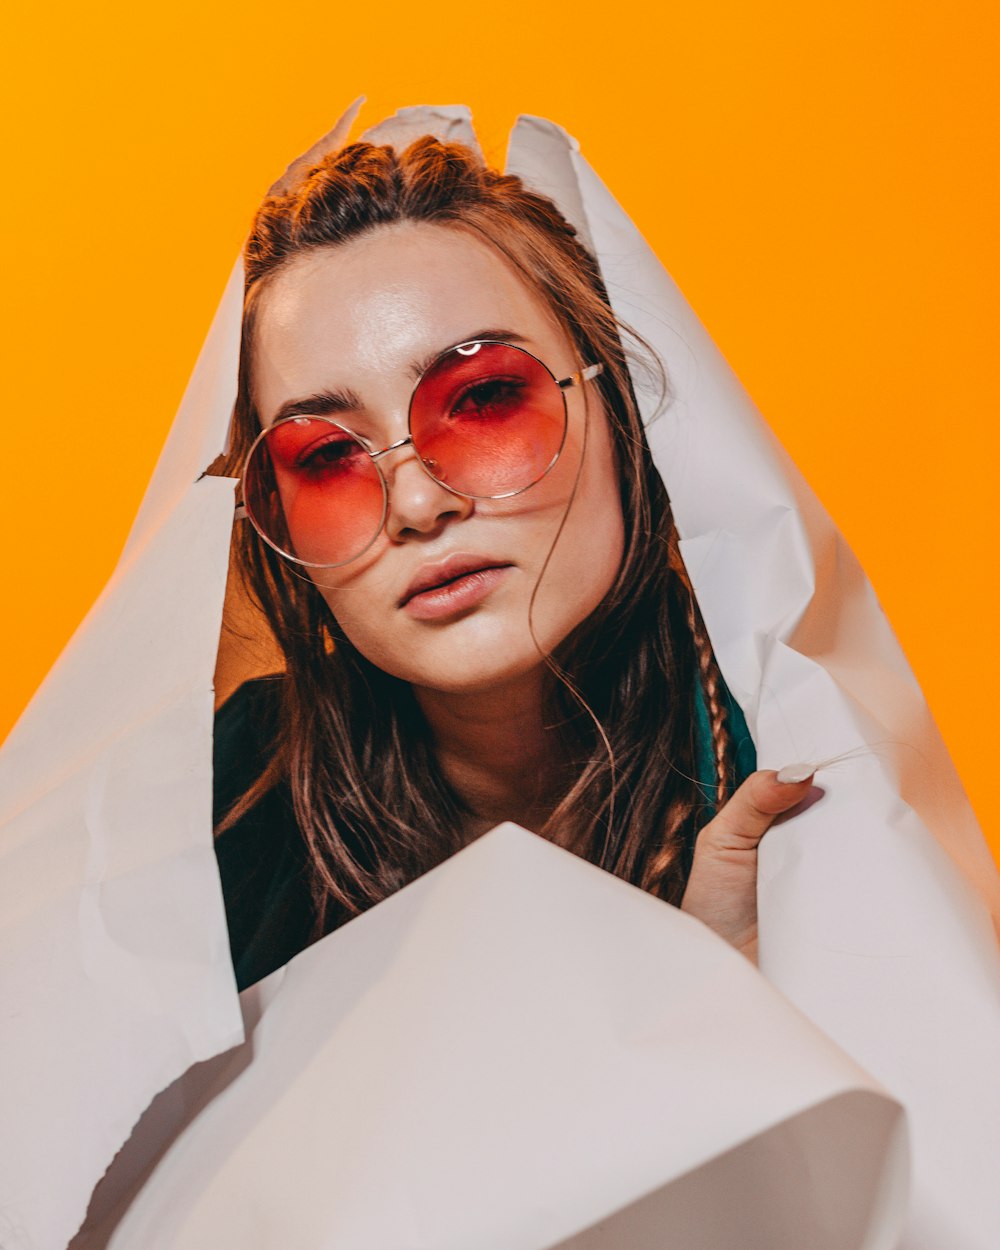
597 549
591 546
596 514
359 600
369 627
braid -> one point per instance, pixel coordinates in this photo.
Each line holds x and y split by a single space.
668 866
711 679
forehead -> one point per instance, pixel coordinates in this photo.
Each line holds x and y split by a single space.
360 314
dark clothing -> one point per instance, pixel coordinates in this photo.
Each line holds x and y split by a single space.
263 860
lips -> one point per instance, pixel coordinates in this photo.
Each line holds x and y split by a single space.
441 573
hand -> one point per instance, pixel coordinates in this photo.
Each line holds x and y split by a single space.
722 887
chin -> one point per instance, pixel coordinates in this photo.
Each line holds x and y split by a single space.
462 665
474 654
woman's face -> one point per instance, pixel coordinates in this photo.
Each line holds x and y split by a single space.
365 318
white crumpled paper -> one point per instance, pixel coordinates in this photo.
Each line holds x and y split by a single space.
874 904
519 1051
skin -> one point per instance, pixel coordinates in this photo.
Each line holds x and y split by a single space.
365 317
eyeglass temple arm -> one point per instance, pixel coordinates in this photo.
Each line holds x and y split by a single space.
581 376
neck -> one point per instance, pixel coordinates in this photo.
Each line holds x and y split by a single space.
496 752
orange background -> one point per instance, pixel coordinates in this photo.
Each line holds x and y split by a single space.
822 181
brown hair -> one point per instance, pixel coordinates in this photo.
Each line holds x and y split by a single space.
372 803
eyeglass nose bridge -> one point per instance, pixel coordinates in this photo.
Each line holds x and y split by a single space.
403 442
428 465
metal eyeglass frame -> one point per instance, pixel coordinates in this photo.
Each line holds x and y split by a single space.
577 378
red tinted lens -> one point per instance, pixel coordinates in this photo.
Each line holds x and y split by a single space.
488 420
313 491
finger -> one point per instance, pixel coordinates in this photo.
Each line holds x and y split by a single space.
751 811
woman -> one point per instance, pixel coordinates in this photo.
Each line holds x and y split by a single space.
465 553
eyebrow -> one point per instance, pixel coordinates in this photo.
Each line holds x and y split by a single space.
327 402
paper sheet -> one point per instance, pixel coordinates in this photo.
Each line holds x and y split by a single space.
115 973
521 1052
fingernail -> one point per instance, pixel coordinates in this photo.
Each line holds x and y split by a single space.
793 773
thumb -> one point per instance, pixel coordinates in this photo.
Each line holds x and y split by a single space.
752 810
722 886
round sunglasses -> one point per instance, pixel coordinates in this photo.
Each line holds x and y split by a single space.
487 420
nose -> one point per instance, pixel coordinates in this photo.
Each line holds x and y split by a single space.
418 505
